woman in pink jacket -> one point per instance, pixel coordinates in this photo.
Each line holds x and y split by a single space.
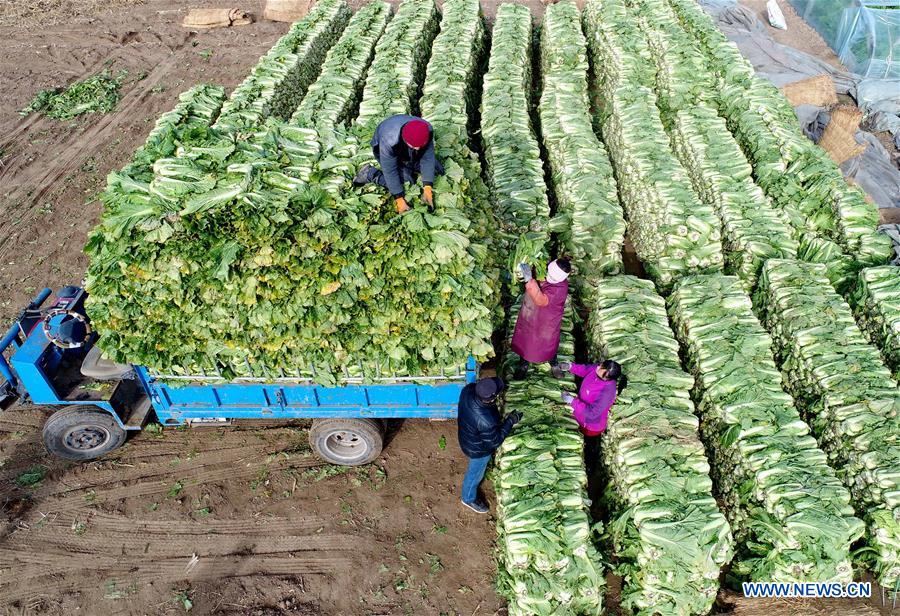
596 395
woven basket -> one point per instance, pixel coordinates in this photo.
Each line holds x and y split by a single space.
287 10
839 137
818 91
840 145
846 118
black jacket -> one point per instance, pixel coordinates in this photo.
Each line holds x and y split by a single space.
480 429
393 153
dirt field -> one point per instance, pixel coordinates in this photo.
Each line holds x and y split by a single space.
240 521
50 170
273 532
799 35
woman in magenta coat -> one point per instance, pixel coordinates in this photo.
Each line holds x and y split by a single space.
536 338
596 396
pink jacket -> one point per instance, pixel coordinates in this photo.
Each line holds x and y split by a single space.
595 398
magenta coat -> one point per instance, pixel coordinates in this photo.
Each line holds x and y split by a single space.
536 338
595 398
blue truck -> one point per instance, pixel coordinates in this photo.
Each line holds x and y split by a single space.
50 356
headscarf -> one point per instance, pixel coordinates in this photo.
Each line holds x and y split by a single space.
555 273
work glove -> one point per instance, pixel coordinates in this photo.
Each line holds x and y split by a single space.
401 204
565 366
525 270
567 397
514 417
428 195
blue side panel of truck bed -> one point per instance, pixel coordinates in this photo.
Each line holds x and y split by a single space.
175 404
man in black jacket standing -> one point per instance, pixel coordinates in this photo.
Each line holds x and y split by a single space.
480 434
404 147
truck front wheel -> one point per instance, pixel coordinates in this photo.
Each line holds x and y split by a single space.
82 434
347 442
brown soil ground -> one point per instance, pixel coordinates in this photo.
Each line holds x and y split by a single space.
799 35
240 521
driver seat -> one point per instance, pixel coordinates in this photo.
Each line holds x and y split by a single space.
97 367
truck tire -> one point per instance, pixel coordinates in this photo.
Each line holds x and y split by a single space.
347 442
82 434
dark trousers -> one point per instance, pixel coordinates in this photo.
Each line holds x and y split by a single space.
474 475
409 172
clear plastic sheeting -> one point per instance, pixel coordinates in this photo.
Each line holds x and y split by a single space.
778 63
879 98
865 34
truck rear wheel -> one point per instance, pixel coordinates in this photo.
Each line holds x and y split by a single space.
82 434
347 442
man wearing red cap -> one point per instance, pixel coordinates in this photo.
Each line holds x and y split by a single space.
404 147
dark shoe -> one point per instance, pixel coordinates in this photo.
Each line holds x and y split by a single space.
364 175
479 506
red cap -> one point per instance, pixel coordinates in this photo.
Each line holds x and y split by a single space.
416 133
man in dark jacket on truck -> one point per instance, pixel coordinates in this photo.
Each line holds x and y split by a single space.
404 147
480 434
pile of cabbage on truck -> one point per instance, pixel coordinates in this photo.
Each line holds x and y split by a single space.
246 252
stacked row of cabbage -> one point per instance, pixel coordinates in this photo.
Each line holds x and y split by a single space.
667 532
846 394
876 304
753 230
511 151
673 232
333 98
395 77
790 514
281 77
548 564
834 223
450 102
450 94
589 221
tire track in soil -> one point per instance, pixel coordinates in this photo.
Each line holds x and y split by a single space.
119 524
80 60
215 465
73 499
40 559
175 442
232 459
157 56
348 543
27 179
32 420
